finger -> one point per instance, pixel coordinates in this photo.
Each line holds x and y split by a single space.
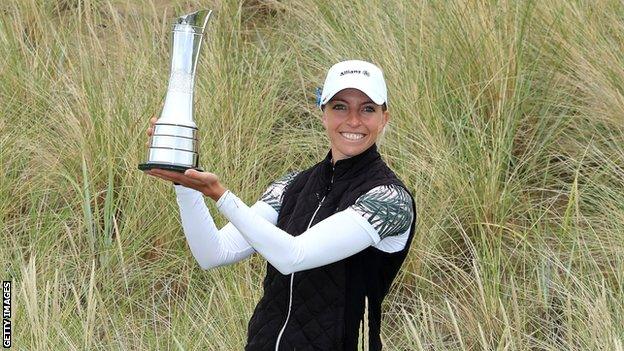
165 172
192 173
178 177
184 181
163 177
195 174
155 175
150 131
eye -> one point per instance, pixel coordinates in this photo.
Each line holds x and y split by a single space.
369 108
339 107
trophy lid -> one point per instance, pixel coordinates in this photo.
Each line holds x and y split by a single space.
197 20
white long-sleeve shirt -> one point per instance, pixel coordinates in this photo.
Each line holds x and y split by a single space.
253 229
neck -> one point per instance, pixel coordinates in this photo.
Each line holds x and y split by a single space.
335 157
349 165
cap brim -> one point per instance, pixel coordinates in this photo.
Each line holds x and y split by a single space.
376 97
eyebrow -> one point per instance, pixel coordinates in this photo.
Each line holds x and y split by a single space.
364 103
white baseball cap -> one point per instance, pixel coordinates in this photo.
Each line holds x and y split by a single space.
361 75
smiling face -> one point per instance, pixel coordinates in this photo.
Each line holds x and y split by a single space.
353 122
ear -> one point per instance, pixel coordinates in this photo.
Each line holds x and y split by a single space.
385 117
324 119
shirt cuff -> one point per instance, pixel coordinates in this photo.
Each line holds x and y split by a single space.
222 199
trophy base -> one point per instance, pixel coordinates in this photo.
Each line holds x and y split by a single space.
167 166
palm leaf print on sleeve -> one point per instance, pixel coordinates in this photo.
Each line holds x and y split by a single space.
274 194
388 208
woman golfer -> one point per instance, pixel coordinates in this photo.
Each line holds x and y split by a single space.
334 235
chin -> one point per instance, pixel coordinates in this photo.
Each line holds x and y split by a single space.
350 152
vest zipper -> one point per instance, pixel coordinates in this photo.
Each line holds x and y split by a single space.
292 275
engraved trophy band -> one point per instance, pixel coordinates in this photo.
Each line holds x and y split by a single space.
174 142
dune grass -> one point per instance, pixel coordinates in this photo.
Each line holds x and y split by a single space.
506 122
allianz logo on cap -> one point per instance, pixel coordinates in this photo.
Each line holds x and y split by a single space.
352 71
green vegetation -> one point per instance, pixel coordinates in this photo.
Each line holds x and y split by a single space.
507 123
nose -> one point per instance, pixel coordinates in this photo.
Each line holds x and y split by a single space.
354 118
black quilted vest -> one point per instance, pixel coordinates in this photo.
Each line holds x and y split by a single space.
327 304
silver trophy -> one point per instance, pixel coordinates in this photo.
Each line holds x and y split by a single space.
174 144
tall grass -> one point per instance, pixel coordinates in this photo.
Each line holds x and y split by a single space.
506 122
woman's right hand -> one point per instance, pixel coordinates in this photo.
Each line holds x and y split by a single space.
150 130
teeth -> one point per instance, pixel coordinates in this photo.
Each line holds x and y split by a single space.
352 136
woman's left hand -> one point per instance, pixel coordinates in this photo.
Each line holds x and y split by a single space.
205 182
